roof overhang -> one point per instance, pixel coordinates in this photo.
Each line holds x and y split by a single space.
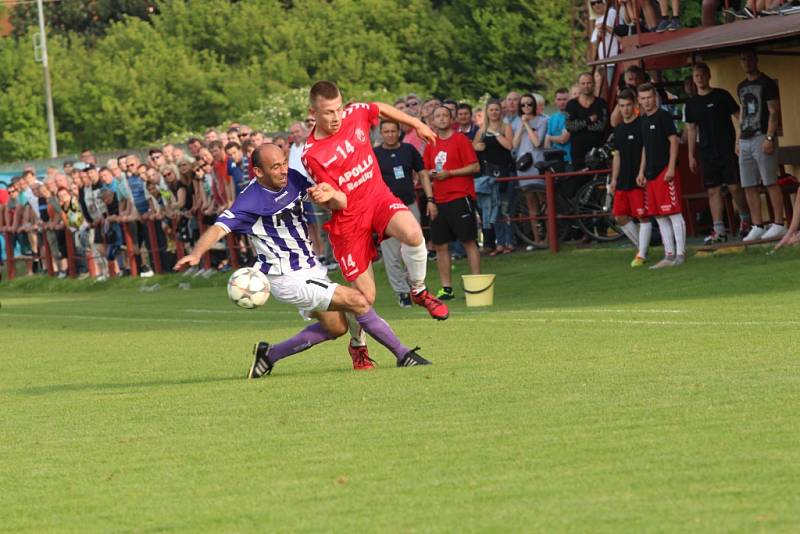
724 37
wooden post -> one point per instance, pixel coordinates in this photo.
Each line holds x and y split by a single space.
207 255
129 245
179 249
11 270
48 255
552 221
233 251
69 237
155 255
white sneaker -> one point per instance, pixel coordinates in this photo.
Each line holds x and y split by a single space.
775 231
754 234
668 261
146 274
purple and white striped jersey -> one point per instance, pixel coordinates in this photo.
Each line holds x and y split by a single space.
276 223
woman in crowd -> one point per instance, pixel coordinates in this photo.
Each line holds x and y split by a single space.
493 145
529 143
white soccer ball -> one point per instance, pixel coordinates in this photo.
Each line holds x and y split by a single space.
248 288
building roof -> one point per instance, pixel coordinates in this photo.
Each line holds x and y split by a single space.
737 34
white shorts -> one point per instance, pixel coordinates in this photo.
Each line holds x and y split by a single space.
309 290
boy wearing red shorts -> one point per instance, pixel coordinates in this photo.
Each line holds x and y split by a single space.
628 195
338 156
659 171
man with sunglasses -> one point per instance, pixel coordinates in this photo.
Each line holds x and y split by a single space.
413 107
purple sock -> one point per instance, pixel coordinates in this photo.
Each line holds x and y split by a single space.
379 329
304 339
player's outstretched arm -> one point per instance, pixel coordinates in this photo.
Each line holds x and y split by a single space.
324 194
206 241
392 113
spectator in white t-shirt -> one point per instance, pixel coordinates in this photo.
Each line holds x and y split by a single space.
603 43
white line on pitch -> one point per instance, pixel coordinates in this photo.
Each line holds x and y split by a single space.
629 321
581 310
284 312
488 319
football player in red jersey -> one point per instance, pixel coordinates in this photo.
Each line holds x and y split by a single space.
338 156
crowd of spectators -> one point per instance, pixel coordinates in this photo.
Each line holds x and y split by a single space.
147 209
130 214
611 20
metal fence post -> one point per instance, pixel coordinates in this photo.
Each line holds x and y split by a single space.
552 221
11 270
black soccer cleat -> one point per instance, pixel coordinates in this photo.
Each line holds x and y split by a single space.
261 365
411 359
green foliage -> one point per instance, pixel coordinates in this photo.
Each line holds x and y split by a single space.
84 17
122 77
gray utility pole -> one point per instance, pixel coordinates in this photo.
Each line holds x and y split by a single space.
41 50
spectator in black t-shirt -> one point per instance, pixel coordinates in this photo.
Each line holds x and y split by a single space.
709 127
587 119
629 202
399 164
758 146
659 171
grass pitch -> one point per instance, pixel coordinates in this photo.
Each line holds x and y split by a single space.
590 398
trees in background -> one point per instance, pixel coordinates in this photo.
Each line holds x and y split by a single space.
132 71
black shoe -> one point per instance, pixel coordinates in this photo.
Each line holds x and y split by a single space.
411 359
404 299
445 293
261 365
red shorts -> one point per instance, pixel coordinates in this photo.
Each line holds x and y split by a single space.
629 203
353 247
663 198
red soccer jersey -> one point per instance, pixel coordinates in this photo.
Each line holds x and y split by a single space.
449 154
345 160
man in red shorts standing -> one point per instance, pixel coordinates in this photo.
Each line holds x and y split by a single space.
628 196
338 156
659 171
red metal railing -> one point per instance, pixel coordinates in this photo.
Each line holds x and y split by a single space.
553 216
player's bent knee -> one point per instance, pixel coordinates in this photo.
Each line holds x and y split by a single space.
363 302
337 329
333 323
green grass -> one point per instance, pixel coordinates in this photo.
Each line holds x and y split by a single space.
589 398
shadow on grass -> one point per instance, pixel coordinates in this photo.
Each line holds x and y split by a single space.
114 386
67 388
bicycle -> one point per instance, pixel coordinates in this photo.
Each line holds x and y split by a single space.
590 198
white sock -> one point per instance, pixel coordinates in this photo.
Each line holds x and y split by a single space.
679 229
645 231
416 260
719 227
630 230
358 338
667 236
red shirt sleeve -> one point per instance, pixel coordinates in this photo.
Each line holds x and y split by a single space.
468 154
374 114
427 157
319 174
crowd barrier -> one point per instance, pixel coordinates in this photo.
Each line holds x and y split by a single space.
45 254
552 217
